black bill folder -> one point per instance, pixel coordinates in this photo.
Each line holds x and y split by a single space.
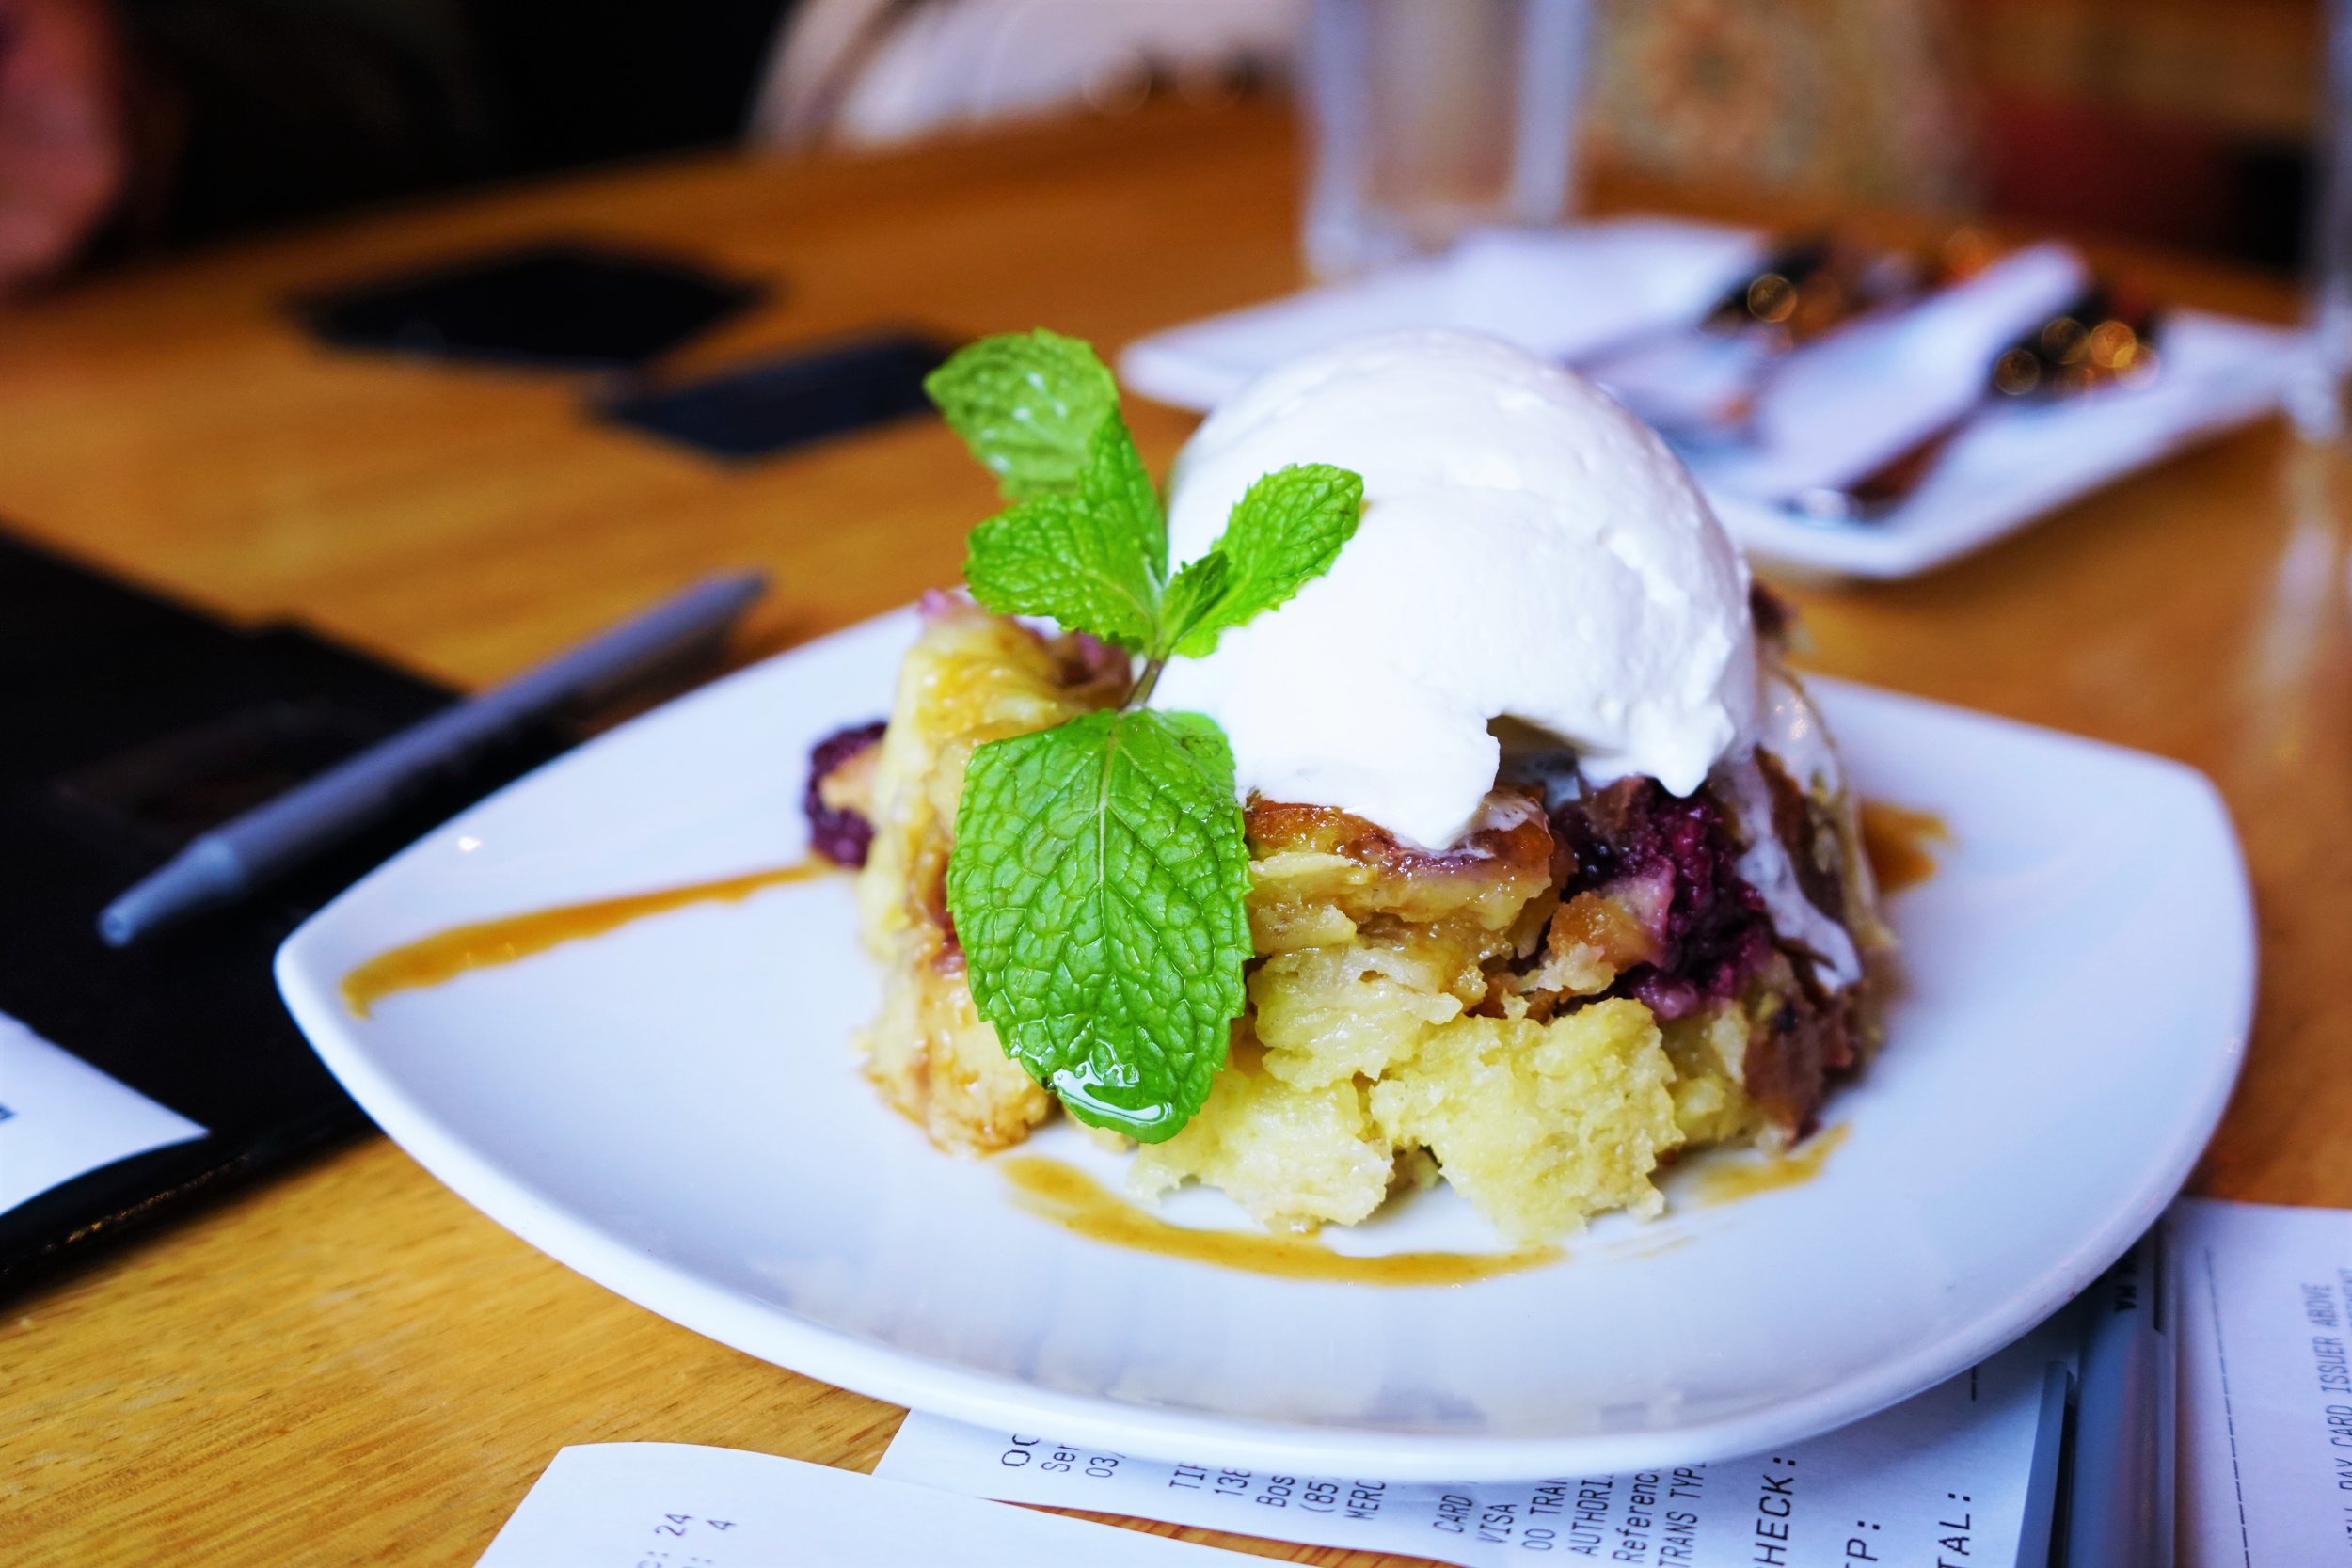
130 723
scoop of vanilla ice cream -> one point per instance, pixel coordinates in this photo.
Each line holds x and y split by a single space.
1528 551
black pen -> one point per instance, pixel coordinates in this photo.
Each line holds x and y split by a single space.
222 865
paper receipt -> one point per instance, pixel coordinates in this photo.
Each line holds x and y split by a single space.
676 1505
2264 1297
1939 1480
61 1117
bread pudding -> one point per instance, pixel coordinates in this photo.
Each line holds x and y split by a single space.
1589 983
1596 972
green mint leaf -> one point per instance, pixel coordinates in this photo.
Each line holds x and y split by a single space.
1283 533
1092 560
1196 593
1116 484
1050 556
1096 886
1027 404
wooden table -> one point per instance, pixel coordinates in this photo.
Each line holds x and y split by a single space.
349 1365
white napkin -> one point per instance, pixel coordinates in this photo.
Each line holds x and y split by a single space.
1565 293
1832 412
1685 381
1569 294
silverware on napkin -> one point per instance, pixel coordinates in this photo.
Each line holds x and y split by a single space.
1699 381
2103 338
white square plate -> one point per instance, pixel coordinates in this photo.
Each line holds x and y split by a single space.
673 1109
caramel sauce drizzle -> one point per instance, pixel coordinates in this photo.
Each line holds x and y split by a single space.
487 943
1896 840
1078 1202
1719 1181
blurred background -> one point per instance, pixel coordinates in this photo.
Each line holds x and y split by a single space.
133 127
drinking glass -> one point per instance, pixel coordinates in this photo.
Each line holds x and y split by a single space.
2316 397
1430 117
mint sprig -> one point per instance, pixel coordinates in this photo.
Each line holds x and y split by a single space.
1099 870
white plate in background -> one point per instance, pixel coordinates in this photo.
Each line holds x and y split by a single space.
1568 294
2017 464
675 1110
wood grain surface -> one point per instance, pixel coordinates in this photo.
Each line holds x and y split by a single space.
349 1365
